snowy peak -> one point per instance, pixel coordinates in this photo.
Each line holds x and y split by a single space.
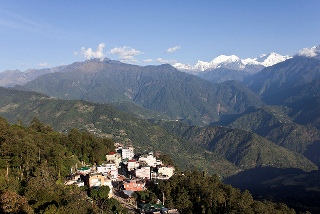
273 58
266 60
234 62
225 59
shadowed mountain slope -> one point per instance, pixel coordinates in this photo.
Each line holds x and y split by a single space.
271 82
294 187
242 148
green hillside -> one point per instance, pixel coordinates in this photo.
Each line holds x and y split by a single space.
260 118
244 149
138 111
106 121
273 123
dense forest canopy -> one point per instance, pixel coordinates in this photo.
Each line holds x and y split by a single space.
196 192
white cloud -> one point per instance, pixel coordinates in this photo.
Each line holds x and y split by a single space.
173 49
43 64
147 60
90 54
164 61
125 53
309 52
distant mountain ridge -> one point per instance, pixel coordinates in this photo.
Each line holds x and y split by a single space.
159 88
182 96
11 78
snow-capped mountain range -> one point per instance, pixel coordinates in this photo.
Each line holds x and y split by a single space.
234 62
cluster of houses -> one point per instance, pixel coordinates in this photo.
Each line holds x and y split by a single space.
122 170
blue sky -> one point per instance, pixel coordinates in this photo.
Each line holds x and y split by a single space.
36 34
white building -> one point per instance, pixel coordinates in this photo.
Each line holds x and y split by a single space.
109 169
150 160
132 164
127 153
143 172
165 172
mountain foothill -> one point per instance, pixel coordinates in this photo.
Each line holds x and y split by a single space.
231 122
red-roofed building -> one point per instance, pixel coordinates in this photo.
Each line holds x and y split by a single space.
114 157
134 185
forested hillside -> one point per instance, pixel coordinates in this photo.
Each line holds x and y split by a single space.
34 161
274 123
244 149
196 192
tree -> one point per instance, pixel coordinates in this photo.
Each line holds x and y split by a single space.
39 127
103 192
182 201
11 202
114 206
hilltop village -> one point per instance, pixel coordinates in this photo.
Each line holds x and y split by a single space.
125 173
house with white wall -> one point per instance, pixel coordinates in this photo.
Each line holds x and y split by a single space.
143 172
127 153
165 172
132 165
108 169
150 160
